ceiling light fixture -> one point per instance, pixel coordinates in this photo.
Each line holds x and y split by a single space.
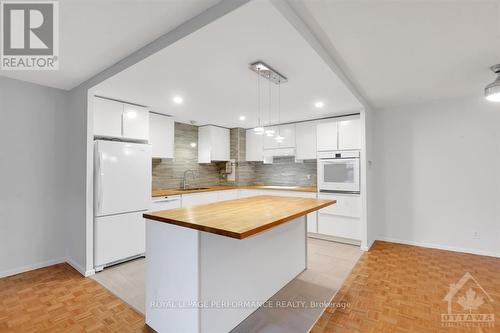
319 104
177 100
259 129
242 118
273 76
492 90
279 138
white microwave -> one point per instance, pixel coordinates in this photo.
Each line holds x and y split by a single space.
338 171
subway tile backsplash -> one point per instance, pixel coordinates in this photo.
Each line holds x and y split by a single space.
284 170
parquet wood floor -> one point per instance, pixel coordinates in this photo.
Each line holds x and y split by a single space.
59 299
401 288
392 289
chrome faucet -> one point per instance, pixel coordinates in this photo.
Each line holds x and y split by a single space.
184 183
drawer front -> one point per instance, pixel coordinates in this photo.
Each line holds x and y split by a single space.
347 205
339 226
227 195
165 203
192 199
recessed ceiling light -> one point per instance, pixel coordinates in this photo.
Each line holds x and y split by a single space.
319 104
177 99
242 118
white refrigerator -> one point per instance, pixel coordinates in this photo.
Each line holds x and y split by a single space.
122 193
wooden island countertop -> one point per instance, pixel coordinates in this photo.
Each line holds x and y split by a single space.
240 218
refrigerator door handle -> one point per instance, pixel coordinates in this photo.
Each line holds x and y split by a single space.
99 184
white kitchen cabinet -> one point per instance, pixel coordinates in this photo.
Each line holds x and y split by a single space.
305 140
213 144
165 202
135 122
270 141
227 195
341 134
288 134
349 134
201 198
245 193
120 120
161 135
327 136
254 146
341 220
107 118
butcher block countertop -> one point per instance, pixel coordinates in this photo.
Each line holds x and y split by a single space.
175 191
240 218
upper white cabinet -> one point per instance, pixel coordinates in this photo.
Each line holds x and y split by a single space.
120 120
270 141
327 135
135 122
254 146
161 135
350 133
305 140
286 131
107 117
213 144
339 135
288 134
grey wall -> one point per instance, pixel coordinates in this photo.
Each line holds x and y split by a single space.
169 173
34 177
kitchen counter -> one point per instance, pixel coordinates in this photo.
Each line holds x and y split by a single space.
176 191
240 218
208 267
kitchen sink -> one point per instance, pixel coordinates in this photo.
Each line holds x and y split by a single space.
193 188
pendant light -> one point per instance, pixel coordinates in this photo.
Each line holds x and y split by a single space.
279 138
492 90
269 131
259 129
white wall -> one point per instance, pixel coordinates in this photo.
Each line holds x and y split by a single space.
437 170
33 171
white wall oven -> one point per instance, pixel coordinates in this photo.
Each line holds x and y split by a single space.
338 171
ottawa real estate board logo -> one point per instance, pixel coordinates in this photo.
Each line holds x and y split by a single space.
30 35
472 299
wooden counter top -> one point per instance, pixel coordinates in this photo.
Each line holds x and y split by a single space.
173 191
240 218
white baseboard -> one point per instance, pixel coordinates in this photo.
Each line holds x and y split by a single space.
17 270
440 247
79 268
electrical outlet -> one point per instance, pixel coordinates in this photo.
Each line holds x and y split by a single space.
308 177
476 235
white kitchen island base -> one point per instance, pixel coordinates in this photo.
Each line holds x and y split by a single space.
202 282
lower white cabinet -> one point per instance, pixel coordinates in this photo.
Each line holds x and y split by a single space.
227 195
201 198
165 203
341 219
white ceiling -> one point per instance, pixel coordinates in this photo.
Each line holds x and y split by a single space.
209 69
95 34
402 52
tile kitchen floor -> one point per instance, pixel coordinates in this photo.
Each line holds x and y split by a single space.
329 263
